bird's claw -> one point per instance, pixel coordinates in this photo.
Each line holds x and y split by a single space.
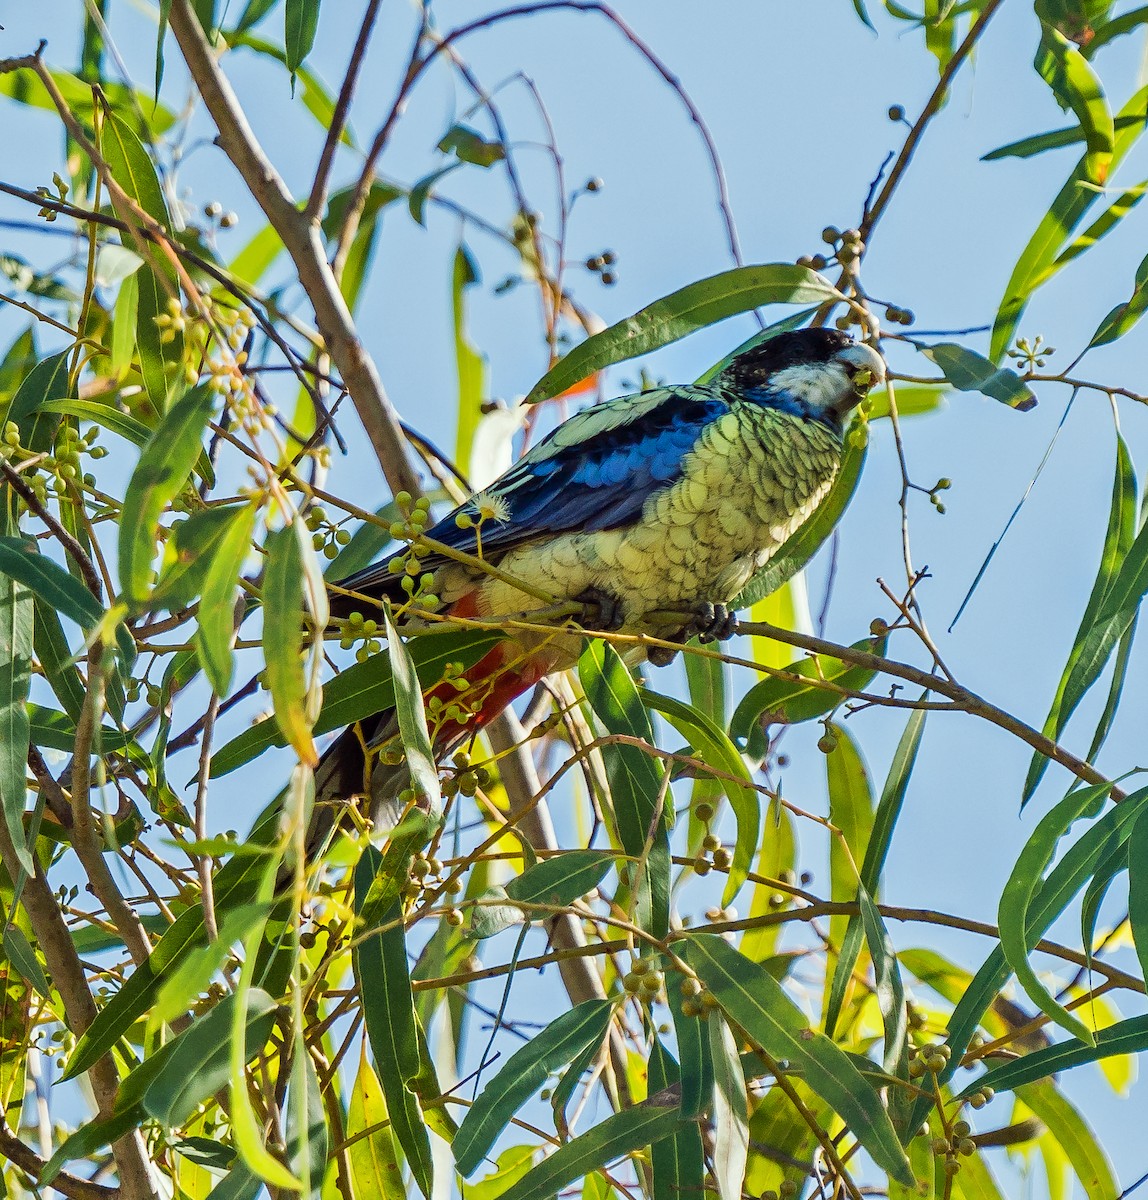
602 611
712 622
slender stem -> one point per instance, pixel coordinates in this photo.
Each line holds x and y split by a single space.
318 197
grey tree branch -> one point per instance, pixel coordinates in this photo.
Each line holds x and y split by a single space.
55 943
301 237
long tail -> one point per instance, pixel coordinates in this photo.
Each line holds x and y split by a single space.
353 773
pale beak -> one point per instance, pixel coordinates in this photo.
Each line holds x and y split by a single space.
864 366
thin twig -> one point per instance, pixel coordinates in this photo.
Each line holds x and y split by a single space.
318 198
874 212
203 861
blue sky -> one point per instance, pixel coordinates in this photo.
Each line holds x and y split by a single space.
796 96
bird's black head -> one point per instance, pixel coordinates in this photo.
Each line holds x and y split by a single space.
819 373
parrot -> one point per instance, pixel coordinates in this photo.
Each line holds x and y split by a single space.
652 511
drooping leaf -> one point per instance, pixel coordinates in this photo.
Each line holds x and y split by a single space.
1077 86
283 639
683 312
216 615
469 363
1072 1134
616 1136
1067 211
730 1114
748 994
527 1070
1126 315
372 1155
713 746
636 783
873 863
417 750
301 22
776 701
1095 640
17 614
968 371
163 470
196 1064
388 1007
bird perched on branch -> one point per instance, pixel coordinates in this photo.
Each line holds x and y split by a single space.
652 510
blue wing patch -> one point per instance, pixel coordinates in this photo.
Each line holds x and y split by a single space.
594 472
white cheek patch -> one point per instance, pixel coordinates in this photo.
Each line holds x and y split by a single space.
821 385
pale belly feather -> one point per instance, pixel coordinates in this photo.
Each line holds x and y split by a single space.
754 477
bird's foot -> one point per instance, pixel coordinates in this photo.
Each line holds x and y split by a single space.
602 610
712 622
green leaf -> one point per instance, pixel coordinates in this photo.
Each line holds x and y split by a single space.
283 638
684 312
637 786
56 659
57 730
1017 897
618 1135
1077 85
161 474
301 21
1124 316
711 744
851 806
109 417
363 690
677 1160
372 1155
968 371
89 1138
196 1064
913 400
471 147
190 553
132 169
749 995
417 750
1124 203
21 955
469 363
235 884
161 364
1129 1036
216 615
16 623
889 990
873 862
384 981
1067 211
776 701
1138 889
730 1114
21 561
1073 1135
47 380
1095 639
558 880
697 1068
523 1074
146 115
803 543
